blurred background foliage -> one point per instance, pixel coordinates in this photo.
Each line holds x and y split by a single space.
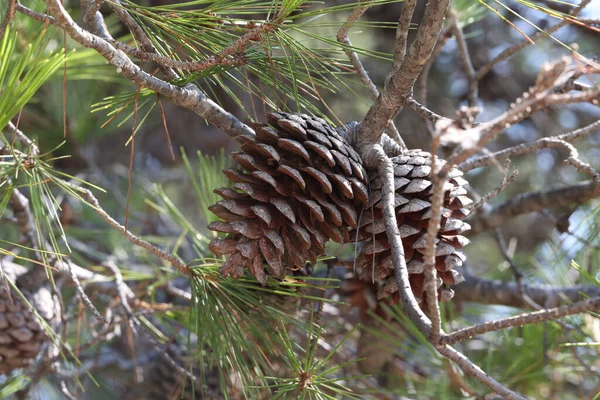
168 199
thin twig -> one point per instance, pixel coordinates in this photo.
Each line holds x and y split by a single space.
91 200
433 226
35 15
469 367
407 298
528 147
401 39
35 151
465 58
423 111
523 319
86 300
506 180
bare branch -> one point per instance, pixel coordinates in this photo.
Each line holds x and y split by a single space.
423 111
399 83
91 200
530 202
472 369
505 182
527 147
523 319
35 15
401 40
465 59
433 227
484 291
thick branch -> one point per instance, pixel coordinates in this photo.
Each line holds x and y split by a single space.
531 202
484 291
398 85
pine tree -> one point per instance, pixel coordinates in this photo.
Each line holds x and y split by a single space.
323 259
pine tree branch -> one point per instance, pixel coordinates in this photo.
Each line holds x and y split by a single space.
523 319
527 147
190 96
469 367
399 83
526 203
95 204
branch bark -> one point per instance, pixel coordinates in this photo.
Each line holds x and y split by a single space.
399 83
495 292
578 193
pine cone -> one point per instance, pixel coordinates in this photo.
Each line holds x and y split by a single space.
21 333
302 186
412 172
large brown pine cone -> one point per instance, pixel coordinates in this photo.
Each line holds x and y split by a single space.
303 184
412 172
21 333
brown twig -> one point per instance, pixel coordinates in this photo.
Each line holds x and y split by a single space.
506 180
35 15
433 227
465 58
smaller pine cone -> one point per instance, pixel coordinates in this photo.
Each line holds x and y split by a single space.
301 187
21 333
413 186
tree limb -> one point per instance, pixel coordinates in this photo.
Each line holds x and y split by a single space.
399 83
578 193
496 292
